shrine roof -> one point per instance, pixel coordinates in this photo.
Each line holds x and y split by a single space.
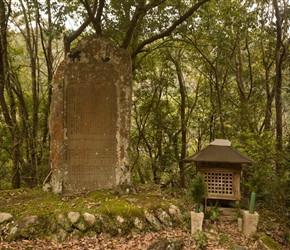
219 150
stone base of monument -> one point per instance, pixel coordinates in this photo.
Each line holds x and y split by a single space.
250 223
196 221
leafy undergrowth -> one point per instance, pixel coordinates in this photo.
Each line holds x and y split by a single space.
220 235
217 234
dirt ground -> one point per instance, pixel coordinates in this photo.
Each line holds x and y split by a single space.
222 234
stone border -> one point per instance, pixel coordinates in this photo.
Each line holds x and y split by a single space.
76 224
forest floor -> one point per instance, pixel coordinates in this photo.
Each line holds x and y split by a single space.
223 236
220 233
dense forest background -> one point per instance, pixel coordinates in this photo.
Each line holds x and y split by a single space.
202 70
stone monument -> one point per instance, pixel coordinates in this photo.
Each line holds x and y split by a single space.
90 118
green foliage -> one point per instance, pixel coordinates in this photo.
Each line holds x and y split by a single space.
198 189
254 182
215 209
5 177
237 207
200 239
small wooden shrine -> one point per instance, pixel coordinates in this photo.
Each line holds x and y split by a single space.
221 164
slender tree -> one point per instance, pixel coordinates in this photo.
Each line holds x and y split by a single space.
7 102
279 53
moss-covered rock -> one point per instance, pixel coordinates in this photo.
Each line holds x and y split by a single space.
270 243
163 217
5 217
151 218
102 211
63 222
73 217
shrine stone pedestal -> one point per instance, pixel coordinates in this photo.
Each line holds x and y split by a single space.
196 221
90 118
250 223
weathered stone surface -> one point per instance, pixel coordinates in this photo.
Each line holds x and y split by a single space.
28 220
61 235
120 219
250 223
163 217
90 118
175 213
47 187
13 230
196 221
75 225
82 226
150 217
64 223
5 217
73 217
90 218
139 224
28 227
109 225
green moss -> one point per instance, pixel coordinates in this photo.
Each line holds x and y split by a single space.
107 204
119 207
100 195
270 243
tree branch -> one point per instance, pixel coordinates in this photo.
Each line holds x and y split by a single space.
140 12
91 14
170 29
69 39
98 17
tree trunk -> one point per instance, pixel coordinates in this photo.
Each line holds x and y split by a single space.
5 85
182 123
278 87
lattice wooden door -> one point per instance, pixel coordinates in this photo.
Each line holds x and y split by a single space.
219 183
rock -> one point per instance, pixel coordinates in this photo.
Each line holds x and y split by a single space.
73 217
166 244
175 213
89 218
81 226
163 217
28 220
138 223
47 187
61 235
196 221
152 220
29 227
5 217
250 223
108 225
120 219
13 230
63 222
